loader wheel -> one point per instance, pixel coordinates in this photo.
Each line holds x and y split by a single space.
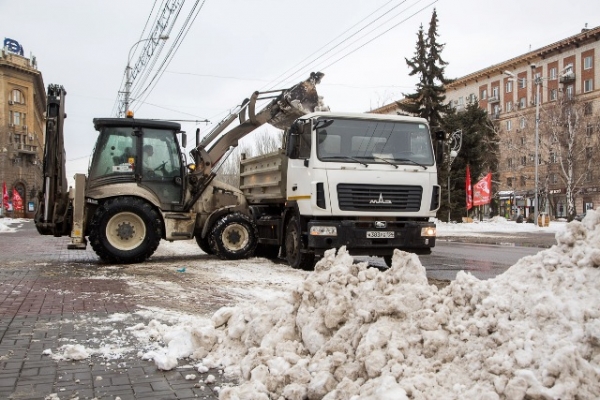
204 244
294 244
125 230
234 236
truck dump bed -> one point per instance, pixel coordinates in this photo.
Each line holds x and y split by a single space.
263 178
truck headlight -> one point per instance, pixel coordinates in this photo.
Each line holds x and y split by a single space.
428 231
323 231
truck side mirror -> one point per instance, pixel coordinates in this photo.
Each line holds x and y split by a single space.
183 139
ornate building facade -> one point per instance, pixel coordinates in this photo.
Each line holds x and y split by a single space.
22 107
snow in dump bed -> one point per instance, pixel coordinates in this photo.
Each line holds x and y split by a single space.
353 332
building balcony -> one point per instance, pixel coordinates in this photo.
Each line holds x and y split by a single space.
25 148
567 78
493 99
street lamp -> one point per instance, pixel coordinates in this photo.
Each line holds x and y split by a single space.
128 80
454 145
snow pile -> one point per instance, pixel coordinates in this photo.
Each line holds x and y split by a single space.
496 224
7 224
353 332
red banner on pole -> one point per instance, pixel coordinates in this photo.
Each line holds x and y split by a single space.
468 190
4 196
482 191
17 200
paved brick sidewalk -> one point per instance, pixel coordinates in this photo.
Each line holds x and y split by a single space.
43 300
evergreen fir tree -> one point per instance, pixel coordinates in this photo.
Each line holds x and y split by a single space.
479 150
428 100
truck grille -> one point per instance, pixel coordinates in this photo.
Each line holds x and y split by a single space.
379 197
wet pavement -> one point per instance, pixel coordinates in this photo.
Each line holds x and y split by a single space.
44 303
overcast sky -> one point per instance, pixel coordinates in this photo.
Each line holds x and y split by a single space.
235 47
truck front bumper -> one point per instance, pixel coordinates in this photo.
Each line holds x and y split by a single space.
364 238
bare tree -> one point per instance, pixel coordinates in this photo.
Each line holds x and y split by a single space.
565 126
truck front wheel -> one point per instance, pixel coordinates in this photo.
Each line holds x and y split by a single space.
294 244
234 236
125 230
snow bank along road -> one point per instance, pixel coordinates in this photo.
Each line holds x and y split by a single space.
346 331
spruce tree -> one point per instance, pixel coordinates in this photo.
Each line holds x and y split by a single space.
427 63
479 150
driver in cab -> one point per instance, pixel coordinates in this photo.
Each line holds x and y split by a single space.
151 167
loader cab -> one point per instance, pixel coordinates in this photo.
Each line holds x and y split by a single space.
141 152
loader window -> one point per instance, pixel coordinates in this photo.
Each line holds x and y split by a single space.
161 164
114 154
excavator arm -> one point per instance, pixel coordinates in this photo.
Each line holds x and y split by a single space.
286 106
52 216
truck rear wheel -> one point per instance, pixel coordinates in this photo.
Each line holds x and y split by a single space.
294 244
125 230
234 236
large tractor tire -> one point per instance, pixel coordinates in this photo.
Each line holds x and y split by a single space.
234 236
203 243
125 230
294 244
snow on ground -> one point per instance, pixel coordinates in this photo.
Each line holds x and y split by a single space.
346 331
494 225
10 224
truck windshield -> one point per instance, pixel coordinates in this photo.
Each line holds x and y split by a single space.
375 142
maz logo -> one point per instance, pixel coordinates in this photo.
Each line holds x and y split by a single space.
380 200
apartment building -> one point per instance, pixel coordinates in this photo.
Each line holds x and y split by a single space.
22 106
568 69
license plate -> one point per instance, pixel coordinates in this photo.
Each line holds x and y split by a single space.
380 234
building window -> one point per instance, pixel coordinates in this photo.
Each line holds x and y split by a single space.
496 111
523 179
588 175
508 106
552 158
522 83
509 86
553 72
495 91
553 178
484 94
587 108
589 152
522 102
588 85
509 182
588 62
17 118
461 101
510 163
522 123
553 94
17 96
523 160
569 92
508 125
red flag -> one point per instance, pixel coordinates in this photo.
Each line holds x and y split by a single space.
468 189
17 200
482 193
4 196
